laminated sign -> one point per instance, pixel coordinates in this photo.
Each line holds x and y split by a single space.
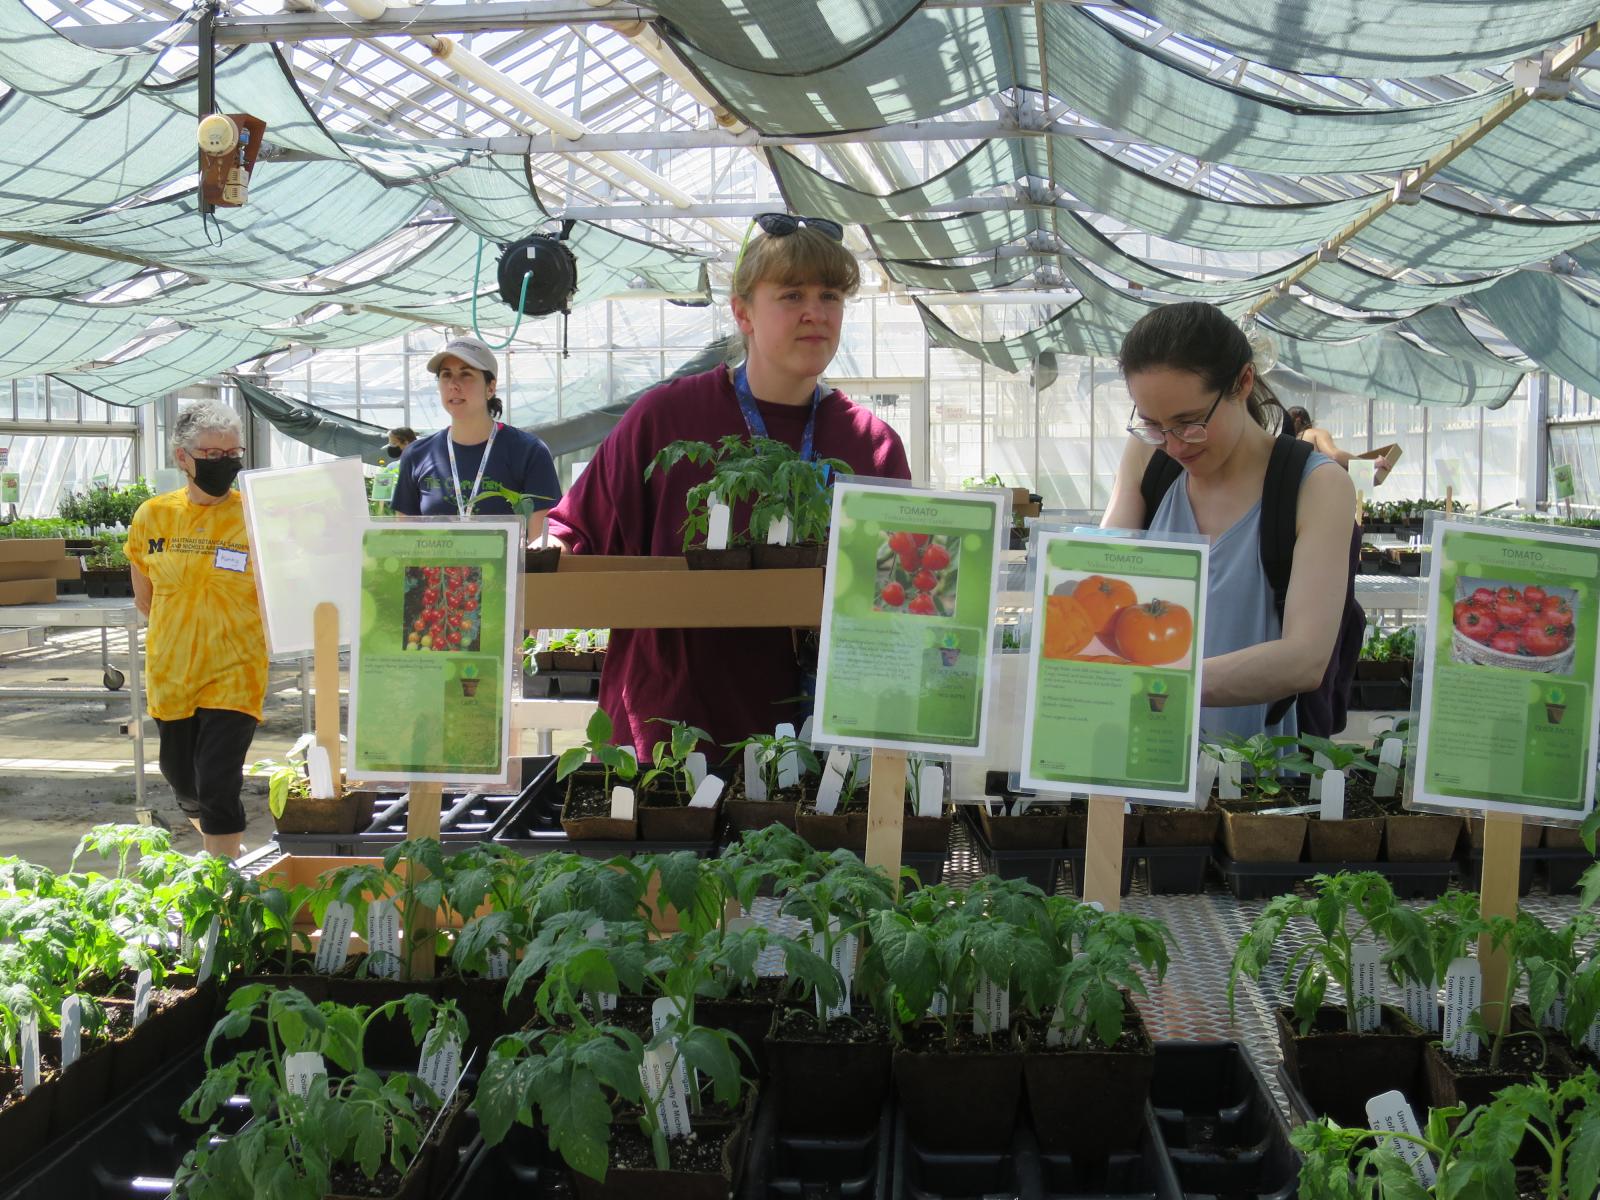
1113 697
428 692
1508 717
906 617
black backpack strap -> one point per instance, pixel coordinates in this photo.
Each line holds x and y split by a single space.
1280 508
1160 473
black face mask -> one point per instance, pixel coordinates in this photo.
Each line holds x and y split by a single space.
394 452
214 476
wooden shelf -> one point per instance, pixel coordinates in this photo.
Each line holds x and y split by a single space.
660 593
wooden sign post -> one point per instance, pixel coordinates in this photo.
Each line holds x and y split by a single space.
1102 855
1449 500
422 821
886 810
325 675
1502 867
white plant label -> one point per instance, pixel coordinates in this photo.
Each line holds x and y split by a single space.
778 531
1556 1015
1228 778
1391 1113
30 1054
662 1013
695 764
1317 781
622 802
301 1068
832 785
843 959
334 947
1064 1031
441 1069
991 1008
1591 1036
1332 800
706 793
499 964
1421 1005
717 527
789 764
71 1031
755 783
141 997
1205 776
383 940
604 1001
940 1004
1463 995
805 731
319 767
664 1091
1391 755
1365 1014
208 951
930 791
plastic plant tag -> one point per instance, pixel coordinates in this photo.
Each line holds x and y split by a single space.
805 731
661 1072
843 959
717 527
301 1068
1365 1013
1391 1113
789 764
208 951
141 997
383 940
1421 1004
622 802
319 767
334 947
30 1054
71 1031
939 1006
930 791
1391 754
1205 776
1555 1016
1591 1036
833 773
991 1007
1326 763
1463 995
1062 1031
707 793
1332 796
1228 778
778 531
695 764
755 783
441 1070
499 964
604 1001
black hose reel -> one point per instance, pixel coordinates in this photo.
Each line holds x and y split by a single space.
538 276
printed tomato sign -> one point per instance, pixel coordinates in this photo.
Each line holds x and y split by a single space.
1508 720
907 615
429 697
1114 667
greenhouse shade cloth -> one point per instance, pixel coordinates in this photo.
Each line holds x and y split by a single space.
1550 322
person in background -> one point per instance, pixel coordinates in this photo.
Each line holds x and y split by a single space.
1197 396
206 651
399 438
467 468
789 289
1306 430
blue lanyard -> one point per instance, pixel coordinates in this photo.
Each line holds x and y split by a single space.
758 427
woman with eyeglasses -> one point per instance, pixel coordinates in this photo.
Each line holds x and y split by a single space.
206 652
1198 399
790 284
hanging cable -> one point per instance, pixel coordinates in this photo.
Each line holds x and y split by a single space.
477 271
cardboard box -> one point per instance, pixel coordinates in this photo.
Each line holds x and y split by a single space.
659 592
61 568
1392 452
28 591
32 549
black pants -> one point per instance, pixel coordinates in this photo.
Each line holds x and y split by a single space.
202 757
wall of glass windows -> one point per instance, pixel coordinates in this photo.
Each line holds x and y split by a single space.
58 441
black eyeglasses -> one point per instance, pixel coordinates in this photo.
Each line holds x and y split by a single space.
781 225
1192 432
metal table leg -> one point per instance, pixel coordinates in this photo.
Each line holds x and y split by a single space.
136 703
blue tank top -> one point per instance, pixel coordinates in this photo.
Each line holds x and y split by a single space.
1239 608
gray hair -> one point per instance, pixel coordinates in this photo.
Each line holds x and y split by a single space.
202 417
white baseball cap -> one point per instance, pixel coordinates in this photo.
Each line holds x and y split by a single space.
469 350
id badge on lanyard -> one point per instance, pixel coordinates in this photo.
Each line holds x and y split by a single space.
465 506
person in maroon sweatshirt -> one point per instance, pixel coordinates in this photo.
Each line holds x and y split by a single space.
789 291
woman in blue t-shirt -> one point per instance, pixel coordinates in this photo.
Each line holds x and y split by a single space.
478 465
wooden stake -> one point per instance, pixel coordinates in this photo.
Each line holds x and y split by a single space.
422 821
1361 508
1449 500
1502 868
886 810
325 684
1102 856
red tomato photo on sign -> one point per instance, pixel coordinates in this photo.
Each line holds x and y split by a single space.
1517 627
433 621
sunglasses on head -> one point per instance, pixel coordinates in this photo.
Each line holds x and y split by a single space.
781 225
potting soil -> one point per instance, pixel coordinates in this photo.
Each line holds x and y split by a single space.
699 1153
585 801
800 1025
1518 1056
347 1179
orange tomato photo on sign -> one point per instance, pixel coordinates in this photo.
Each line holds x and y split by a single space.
1104 619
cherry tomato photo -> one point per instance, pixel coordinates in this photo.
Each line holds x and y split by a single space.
893 595
921 604
935 558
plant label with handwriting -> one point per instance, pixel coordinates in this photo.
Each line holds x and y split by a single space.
1365 1013
907 616
301 1069
440 1070
334 947
383 940
428 693
1113 684
1390 1113
1463 996
1508 720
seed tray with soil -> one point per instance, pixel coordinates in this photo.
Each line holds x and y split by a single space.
1455 1079
1262 880
1252 831
586 813
1077 812
746 815
1337 1070
1039 865
1087 1100
664 815
930 1067
1037 827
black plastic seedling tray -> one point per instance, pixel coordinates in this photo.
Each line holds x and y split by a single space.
783 1165
1472 869
1222 1131
1564 868
1259 881
1176 870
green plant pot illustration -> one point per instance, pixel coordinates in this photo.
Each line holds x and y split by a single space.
1157 696
469 681
951 657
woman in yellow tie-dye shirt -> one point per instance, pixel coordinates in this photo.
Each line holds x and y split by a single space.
206 652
